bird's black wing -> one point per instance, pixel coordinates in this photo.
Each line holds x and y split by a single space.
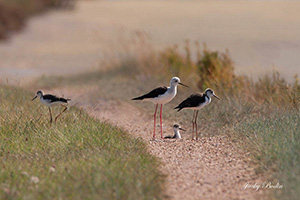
51 98
170 137
192 101
154 93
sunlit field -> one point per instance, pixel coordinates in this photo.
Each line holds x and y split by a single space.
101 53
274 142
262 116
76 158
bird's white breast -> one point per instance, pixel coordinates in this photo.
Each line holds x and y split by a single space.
207 101
177 135
48 102
164 98
45 102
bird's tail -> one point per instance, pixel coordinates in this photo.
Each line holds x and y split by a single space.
138 98
64 100
179 108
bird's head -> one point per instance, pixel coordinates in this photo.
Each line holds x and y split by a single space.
38 94
176 127
209 92
175 81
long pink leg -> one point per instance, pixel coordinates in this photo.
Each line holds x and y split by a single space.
154 121
161 132
50 115
61 112
193 124
196 124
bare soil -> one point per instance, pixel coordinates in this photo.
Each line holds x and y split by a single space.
211 168
66 42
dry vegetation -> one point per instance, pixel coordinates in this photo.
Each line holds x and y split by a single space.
78 158
261 116
39 161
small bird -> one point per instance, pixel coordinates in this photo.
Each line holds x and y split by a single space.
161 95
196 102
50 101
176 135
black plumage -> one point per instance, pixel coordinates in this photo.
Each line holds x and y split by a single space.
154 93
192 101
170 137
53 98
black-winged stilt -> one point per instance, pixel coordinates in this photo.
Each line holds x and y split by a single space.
50 101
161 95
196 102
176 135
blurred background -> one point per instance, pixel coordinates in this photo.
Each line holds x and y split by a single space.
64 36
101 54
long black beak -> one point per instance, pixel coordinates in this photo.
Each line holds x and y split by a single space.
181 129
216 96
34 98
183 85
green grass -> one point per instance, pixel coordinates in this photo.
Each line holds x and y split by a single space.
78 158
262 116
275 145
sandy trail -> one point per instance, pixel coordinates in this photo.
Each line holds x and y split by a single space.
66 42
212 168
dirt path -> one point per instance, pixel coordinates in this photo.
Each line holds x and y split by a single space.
212 168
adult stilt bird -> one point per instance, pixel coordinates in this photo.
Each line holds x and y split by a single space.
161 95
196 102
